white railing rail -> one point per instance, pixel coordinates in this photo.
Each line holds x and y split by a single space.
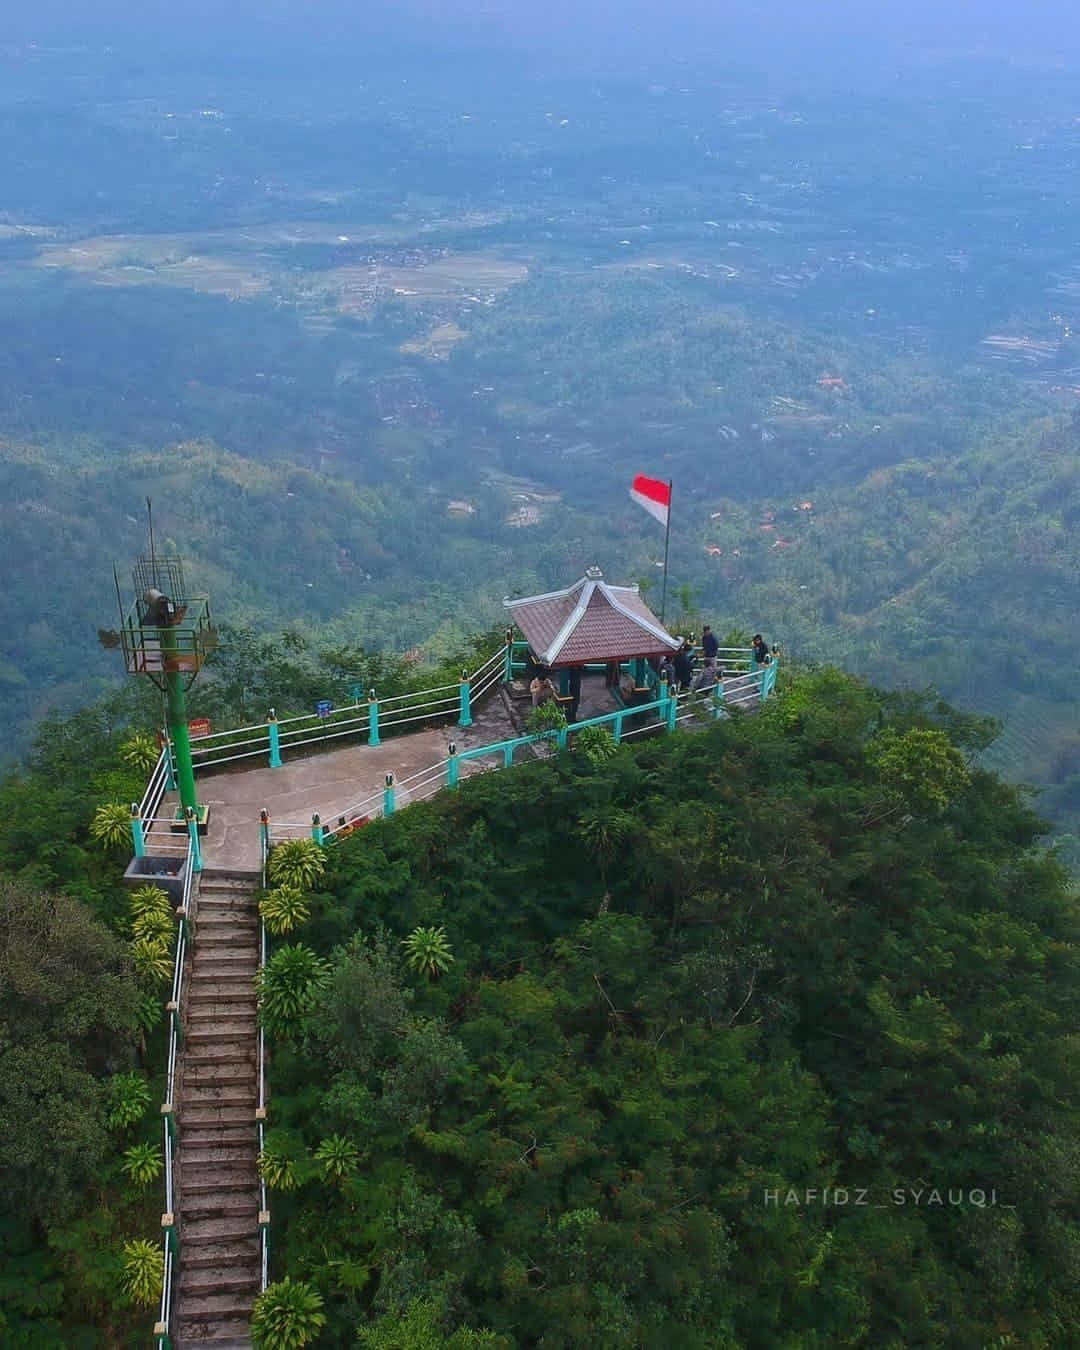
156 787
260 1114
169 1237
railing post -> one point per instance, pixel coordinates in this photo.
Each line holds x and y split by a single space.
452 766
672 710
174 1012
170 1120
562 737
508 754
193 835
316 828
275 739
264 831
718 698
138 840
170 767
465 718
373 719
388 795
617 728
508 672
168 1224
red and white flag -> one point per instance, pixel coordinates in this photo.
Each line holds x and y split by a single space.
653 495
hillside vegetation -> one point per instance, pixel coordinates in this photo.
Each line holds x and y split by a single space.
589 1046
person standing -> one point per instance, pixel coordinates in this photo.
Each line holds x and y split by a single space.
761 651
684 665
709 651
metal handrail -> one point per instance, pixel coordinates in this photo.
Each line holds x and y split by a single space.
162 1330
156 787
260 1122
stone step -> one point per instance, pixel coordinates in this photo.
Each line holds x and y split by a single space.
238 1094
199 1230
205 1012
209 1115
230 1204
221 1181
221 1279
238 1135
232 1334
237 1051
218 1306
220 988
200 1073
215 938
226 964
215 1252
237 1030
194 1157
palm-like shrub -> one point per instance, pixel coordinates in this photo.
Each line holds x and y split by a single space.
545 717
288 985
277 1169
337 1156
140 752
427 951
111 825
153 959
153 926
148 899
142 1163
597 744
143 1268
287 1316
283 909
129 1096
296 862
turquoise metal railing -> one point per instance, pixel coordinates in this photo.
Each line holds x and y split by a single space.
170 1238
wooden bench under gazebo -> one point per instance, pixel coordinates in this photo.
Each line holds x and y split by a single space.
599 642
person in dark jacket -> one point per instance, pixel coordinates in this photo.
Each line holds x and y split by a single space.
684 665
761 651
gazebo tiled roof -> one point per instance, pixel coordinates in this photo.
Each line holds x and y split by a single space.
590 621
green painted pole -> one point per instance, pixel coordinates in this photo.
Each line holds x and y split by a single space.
452 766
465 718
373 719
388 795
138 840
508 671
170 763
275 739
193 834
177 718
317 829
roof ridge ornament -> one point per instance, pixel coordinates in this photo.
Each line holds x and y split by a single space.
594 573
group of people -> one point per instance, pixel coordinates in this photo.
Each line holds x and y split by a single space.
679 668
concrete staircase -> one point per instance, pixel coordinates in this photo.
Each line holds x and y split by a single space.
218 1181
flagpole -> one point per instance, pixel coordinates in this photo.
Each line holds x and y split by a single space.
667 542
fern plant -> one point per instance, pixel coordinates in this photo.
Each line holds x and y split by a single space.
427 951
143 1269
129 1097
140 752
283 909
146 900
296 862
287 1316
153 926
111 825
287 986
596 743
338 1157
278 1170
142 1163
153 960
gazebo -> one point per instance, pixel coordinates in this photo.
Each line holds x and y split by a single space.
593 624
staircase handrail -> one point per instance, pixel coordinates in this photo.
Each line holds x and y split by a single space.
170 1242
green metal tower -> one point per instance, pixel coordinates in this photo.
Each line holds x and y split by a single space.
166 634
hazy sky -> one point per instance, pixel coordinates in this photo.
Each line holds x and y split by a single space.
1048 30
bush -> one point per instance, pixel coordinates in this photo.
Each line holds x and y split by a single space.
284 909
111 825
287 1316
129 1097
143 1269
296 862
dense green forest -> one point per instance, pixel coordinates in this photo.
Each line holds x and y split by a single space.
746 1037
